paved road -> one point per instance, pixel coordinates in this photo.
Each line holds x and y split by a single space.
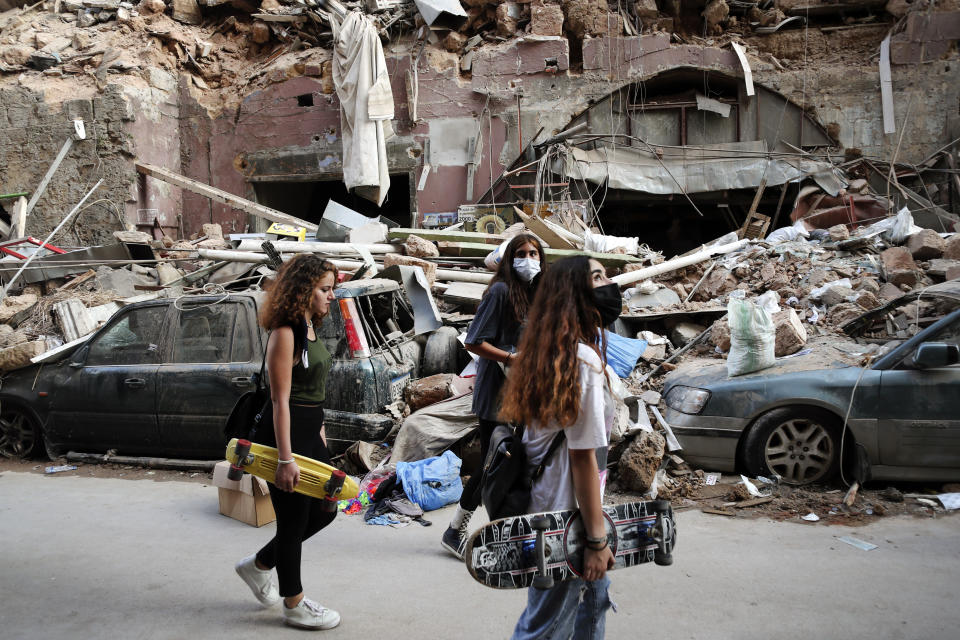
111 558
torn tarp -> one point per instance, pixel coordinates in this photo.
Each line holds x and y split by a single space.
690 169
442 13
366 105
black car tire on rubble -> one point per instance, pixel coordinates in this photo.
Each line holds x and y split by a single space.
800 444
19 432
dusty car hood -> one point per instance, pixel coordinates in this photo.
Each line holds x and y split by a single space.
823 378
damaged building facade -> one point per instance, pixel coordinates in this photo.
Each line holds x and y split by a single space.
505 103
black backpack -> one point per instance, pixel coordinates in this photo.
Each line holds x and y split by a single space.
507 475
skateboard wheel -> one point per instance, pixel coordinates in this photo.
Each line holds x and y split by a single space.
543 582
539 523
235 472
662 559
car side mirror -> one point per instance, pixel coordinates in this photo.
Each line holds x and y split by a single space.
933 355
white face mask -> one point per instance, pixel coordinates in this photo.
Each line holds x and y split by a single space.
526 268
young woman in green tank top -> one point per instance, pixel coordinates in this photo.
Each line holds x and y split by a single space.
298 363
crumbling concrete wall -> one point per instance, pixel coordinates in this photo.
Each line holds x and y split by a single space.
32 134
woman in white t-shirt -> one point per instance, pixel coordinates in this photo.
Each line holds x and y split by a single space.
560 381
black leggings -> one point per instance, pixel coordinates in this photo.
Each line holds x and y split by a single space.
298 516
470 499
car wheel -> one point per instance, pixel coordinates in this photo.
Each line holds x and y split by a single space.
19 433
799 444
440 352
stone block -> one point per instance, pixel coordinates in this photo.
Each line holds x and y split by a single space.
889 291
715 15
12 305
429 390
160 79
417 247
868 300
136 237
507 15
684 332
213 231
899 267
838 232
951 249
720 334
186 11
640 461
167 273
121 281
869 284
938 267
546 20
925 245
837 295
150 7
646 9
16 54
260 32
767 271
326 78
953 273
429 268
790 333
844 313
18 356
454 42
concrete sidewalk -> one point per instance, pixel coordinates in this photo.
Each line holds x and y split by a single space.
110 558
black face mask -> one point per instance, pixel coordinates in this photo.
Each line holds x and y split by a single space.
609 303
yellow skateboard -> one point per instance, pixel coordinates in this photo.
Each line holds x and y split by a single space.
317 480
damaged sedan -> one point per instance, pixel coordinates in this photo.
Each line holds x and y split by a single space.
898 418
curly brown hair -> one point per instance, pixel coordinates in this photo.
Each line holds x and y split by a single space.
289 294
544 385
519 292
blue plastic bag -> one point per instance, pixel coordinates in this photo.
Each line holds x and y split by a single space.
623 353
432 483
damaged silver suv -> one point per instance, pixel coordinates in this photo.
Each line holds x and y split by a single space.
160 377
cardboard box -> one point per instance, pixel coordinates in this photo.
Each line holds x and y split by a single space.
246 500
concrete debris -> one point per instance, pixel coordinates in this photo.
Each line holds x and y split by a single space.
640 461
429 390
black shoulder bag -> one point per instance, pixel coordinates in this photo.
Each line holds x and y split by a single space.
507 474
248 412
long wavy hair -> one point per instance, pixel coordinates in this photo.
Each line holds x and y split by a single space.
519 291
289 294
544 384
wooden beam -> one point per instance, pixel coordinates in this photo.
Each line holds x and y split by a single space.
218 195
539 227
436 235
19 218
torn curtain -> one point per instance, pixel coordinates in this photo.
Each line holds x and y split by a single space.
366 105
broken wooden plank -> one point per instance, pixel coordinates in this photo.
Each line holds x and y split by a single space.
753 502
436 235
279 17
19 218
80 279
540 228
886 88
718 512
221 196
469 293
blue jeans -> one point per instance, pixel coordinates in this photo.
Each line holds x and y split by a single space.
573 609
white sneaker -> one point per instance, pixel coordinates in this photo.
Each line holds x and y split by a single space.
310 615
259 581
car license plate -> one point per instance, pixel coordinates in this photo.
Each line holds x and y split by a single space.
397 385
